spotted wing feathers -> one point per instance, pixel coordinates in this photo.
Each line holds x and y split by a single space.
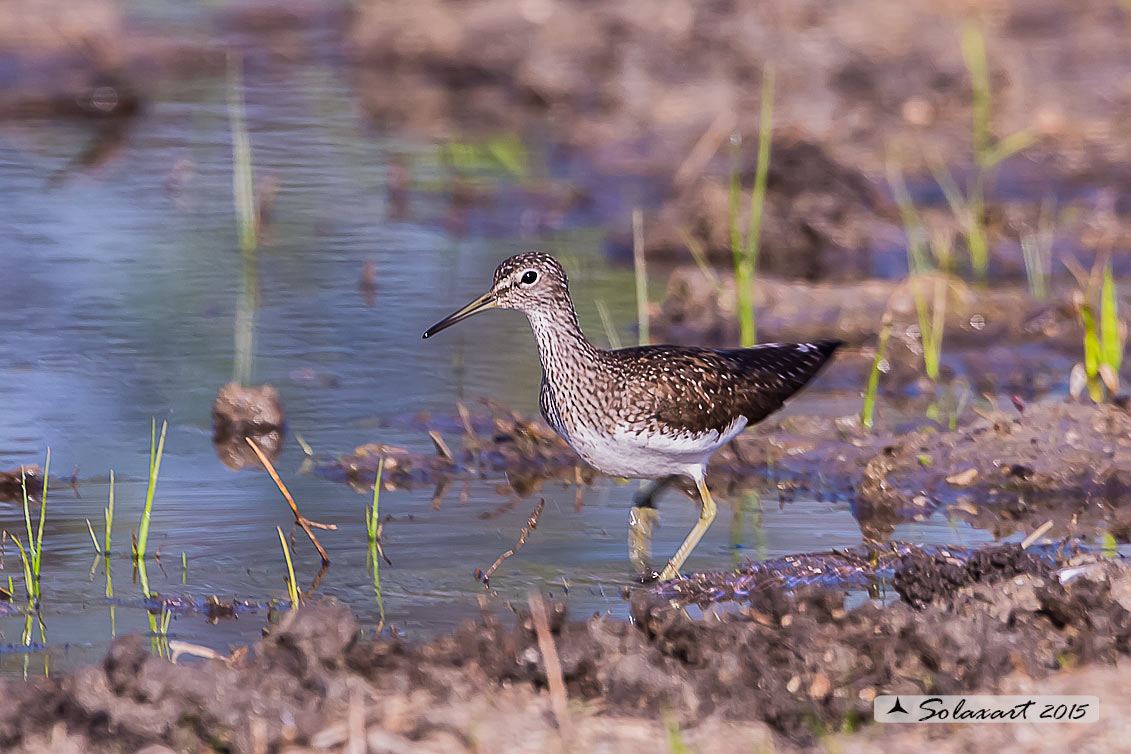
698 390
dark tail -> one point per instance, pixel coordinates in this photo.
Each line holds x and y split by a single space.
772 372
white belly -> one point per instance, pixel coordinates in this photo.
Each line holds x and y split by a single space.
643 456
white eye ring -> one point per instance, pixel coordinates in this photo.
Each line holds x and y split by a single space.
530 277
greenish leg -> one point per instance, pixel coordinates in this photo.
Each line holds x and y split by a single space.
706 516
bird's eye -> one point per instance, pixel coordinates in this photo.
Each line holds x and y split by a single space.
530 277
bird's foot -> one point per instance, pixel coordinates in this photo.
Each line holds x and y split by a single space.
670 572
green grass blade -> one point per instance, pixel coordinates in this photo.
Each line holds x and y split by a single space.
868 411
243 188
748 330
1112 342
108 514
1007 147
1092 353
371 519
699 254
154 471
641 272
734 192
37 556
27 508
611 334
29 583
292 589
94 542
912 223
1091 342
974 55
143 577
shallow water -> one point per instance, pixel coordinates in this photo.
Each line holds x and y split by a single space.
122 283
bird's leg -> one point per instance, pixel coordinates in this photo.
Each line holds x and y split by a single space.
706 516
641 522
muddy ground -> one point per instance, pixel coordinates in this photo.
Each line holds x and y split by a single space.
788 671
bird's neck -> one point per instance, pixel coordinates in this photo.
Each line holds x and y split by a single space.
562 347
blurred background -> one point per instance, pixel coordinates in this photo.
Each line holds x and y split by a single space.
289 193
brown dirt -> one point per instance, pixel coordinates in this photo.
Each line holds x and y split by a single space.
785 671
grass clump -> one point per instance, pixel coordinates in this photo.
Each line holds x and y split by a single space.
928 261
32 557
1104 336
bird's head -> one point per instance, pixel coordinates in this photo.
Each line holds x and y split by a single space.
528 282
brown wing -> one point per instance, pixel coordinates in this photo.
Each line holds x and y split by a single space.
702 389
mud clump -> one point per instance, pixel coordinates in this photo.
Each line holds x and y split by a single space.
243 411
920 581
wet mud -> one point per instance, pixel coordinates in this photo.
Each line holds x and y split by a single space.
917 574
247 411
790 668
494 441
1061 462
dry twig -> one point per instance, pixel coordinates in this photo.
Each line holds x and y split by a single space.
300 519
531 525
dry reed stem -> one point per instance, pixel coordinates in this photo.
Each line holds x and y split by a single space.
178 648
300 519
1037 534
553 665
